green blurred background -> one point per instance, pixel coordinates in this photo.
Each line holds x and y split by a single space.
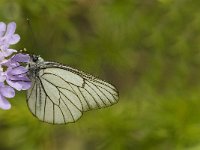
149 49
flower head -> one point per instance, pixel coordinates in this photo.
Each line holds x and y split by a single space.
12 74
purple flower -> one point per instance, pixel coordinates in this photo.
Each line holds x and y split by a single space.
12 74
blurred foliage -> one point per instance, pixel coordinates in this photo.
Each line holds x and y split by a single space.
150 49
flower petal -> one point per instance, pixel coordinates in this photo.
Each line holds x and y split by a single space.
26 85
9 63
10 29
14 39
8 52
21 77
16 71
4 104
2 77
15 85
2 28
21 57
7 91
1 56
1 84
4 46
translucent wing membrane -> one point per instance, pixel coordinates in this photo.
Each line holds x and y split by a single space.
60 94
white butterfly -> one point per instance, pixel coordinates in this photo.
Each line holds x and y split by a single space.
60 94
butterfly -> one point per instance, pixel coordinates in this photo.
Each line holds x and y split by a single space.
60 94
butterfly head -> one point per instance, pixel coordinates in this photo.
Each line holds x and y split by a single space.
36 59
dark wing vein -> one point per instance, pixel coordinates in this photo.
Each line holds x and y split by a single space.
58 86
76 94
96 93
93 96
61 110
46 95
46 92
103 83
36 100
58 77
68 109
62 115
53 113
106 90
31 92
69 100
64 94
84 98
45 106
103 93
40 102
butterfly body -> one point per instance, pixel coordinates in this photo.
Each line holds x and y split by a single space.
34 66
60 94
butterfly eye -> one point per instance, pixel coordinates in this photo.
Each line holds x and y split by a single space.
35 58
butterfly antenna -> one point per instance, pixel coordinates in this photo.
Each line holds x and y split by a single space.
31 30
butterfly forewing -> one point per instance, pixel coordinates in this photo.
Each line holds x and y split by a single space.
59 94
